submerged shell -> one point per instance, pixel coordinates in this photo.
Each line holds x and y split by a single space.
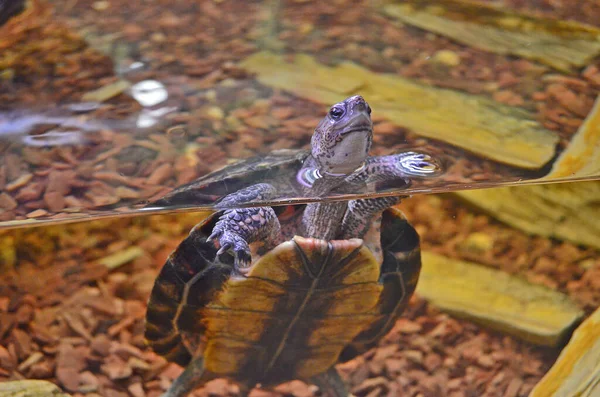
303 306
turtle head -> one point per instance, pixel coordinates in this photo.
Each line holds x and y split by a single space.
341 141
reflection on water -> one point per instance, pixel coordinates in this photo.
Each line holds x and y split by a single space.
163 119
166 118
23 122
149 93
54 138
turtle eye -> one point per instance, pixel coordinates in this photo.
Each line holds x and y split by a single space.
336 112
368 109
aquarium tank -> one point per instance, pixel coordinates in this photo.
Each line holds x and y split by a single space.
277 198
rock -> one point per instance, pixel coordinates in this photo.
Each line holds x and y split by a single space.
160 174
477 242
88 381
564 45
497 300
71 357
472 122
406 326
370 384
34 358
567 211
446 57
19 182
115 368
106 92
23 343
580 158
136 390
68 378
215 113
101 344
575 373
7 202
120 258
41 370
30 388
37 213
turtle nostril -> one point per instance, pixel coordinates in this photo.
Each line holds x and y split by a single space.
358 103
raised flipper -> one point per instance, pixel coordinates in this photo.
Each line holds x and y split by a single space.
389 170
398 168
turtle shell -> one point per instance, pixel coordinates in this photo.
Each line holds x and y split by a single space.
303 306
279 168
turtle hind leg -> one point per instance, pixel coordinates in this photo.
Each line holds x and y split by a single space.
331 384
192 377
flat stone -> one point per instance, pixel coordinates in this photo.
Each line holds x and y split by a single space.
19 182
7 202
577 370
105 93
120 258
563 45
581 158
497 300
30 388
476 123
566 211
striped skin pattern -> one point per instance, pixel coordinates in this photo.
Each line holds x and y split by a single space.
304 306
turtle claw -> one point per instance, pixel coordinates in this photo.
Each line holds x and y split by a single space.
214 235
239 227
242 261
223 249
229 241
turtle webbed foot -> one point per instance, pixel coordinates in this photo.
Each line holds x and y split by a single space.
239 227
234 242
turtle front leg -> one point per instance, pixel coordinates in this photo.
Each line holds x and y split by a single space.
396 168
238 227
247 195
360 214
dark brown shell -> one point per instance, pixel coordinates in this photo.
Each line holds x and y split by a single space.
278 168
304 306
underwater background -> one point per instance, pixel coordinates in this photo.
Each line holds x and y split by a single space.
107 106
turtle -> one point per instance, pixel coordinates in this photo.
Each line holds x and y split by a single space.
292 174
262 295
